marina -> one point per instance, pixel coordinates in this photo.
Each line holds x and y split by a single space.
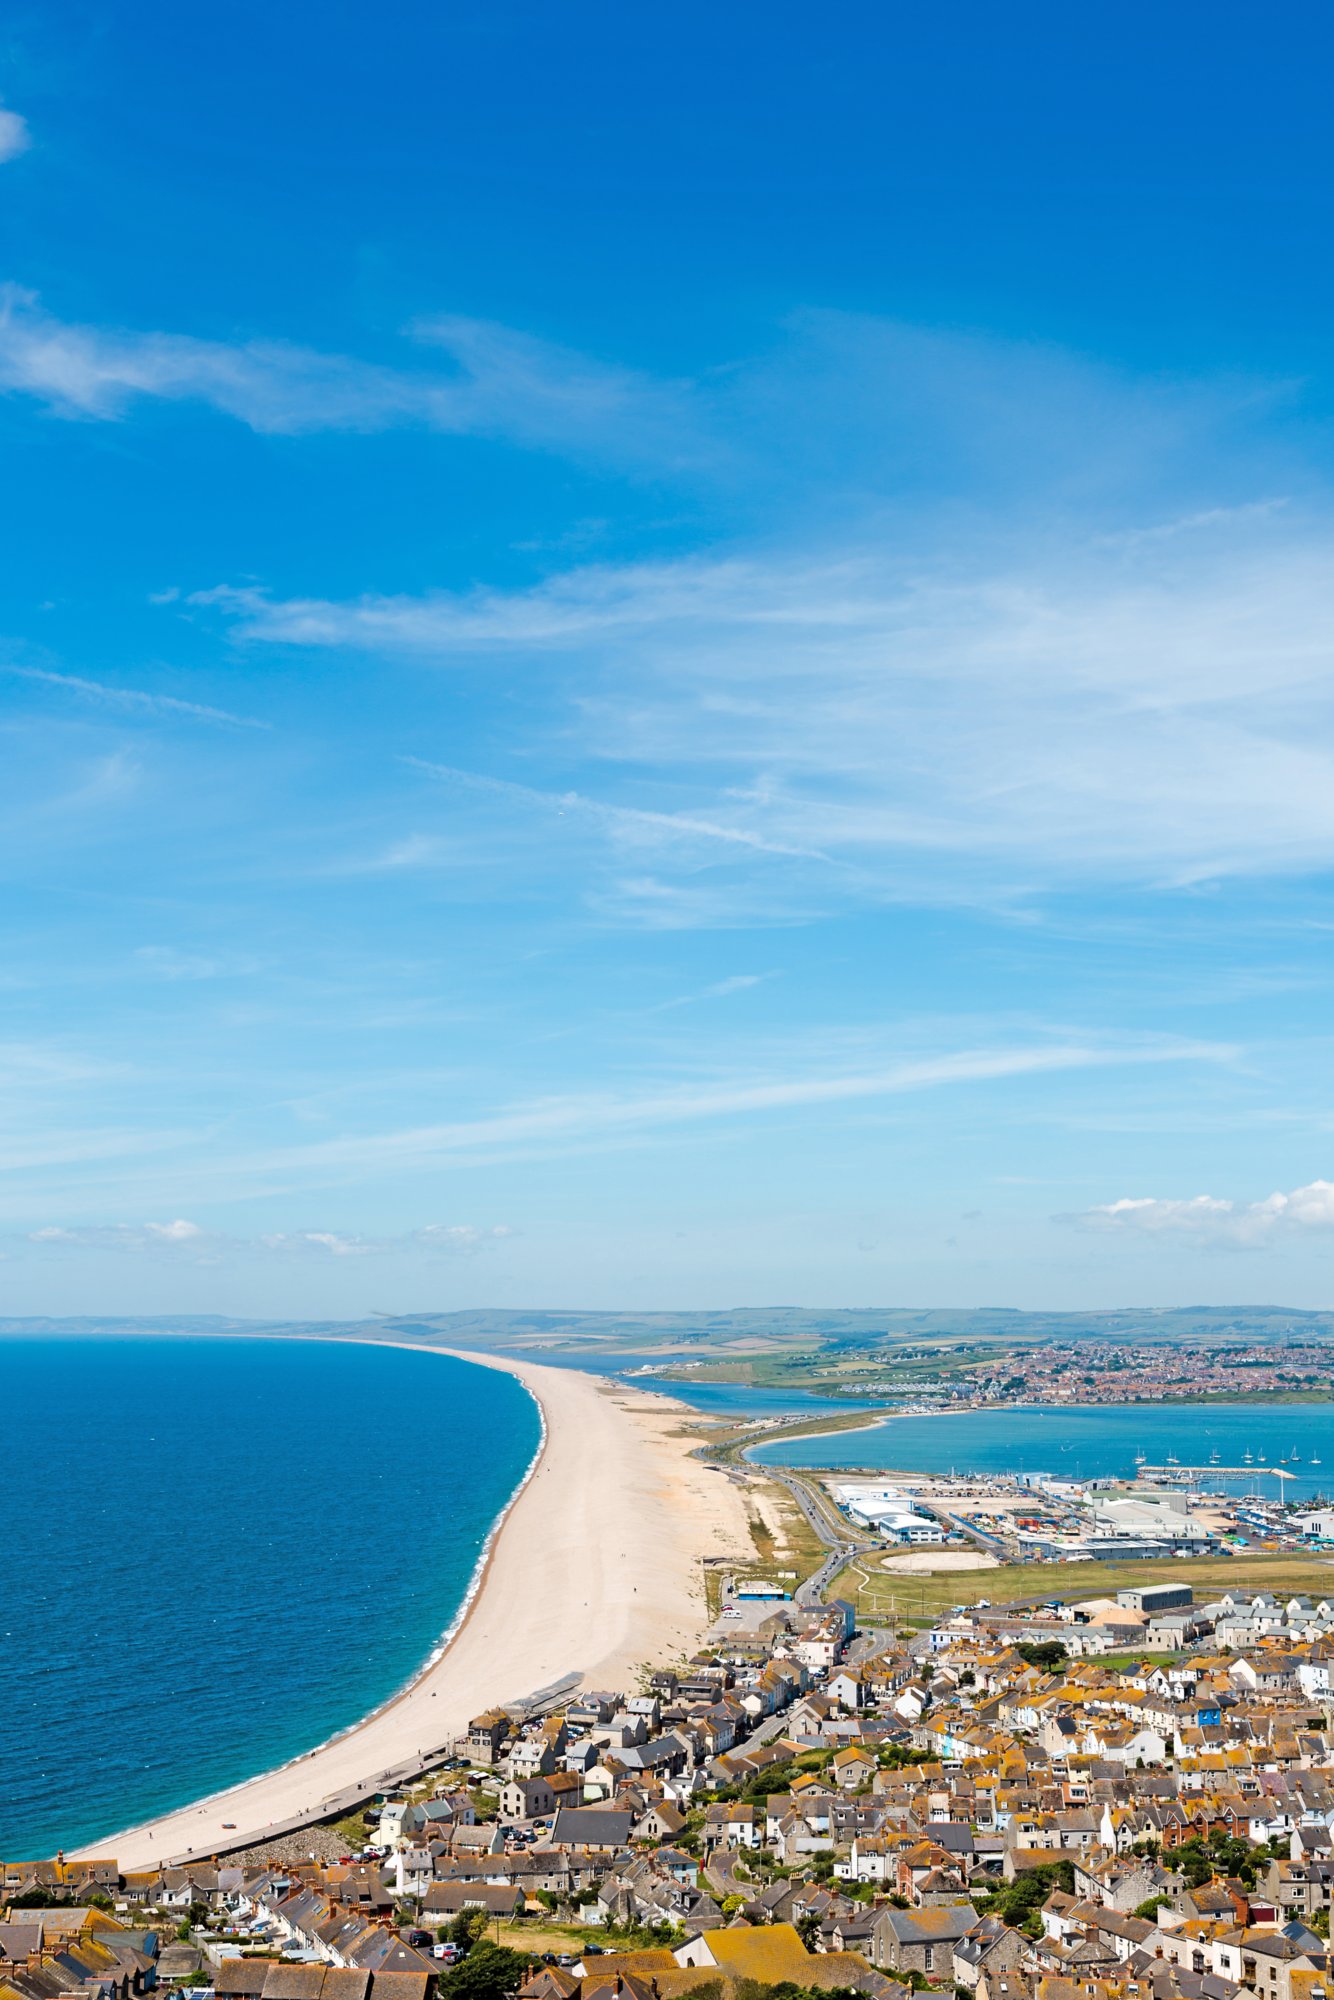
1269 1449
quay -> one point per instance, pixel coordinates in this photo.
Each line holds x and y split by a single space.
1183 1472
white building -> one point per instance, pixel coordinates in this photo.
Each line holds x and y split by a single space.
888 1512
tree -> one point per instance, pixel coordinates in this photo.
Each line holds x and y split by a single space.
808 1929
489 1972
1019 1903
1046 1653
467 1927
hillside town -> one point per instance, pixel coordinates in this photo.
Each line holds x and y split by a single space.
1119 1372
1065 1372
979 1808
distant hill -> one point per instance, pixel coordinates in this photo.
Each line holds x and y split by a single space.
750 1328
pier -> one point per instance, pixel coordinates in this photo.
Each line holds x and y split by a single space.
1183 1472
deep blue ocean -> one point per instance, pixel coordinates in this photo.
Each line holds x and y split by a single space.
1094 1443
215 1553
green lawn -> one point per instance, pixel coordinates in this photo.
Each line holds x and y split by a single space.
925 1597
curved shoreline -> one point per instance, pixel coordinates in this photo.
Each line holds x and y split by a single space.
606 1497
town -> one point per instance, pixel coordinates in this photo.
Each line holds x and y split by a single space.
980 1372
1100 1799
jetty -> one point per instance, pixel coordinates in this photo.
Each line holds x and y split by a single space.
1182 1473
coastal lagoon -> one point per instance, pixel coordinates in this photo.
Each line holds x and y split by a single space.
722 1399
216 1553
739 1399
1096 1442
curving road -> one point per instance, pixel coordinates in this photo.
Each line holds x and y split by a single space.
832 1530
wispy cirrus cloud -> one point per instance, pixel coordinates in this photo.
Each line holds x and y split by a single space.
141 701
1205 1219
170 962
500 383
1037 715
628 823
577 1119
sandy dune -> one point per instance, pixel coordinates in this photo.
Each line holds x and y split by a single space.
595 1570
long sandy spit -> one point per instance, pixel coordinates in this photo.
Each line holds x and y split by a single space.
595 1570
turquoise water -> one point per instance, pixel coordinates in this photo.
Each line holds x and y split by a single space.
1090 1443
215 1553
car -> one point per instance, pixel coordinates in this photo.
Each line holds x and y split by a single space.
595 1951
229 1826
549 1958
419 1940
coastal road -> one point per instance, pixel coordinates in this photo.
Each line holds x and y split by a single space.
832 1530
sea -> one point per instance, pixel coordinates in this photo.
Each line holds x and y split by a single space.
216 1553
1291 1445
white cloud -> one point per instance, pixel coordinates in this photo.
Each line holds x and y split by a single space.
722 989
138 699
503 384
123 1236
740 982
15 137
574 1120
452 1239
436 1238
1114 670
629 823
1210 1218
458 1239
328 1240
1054 716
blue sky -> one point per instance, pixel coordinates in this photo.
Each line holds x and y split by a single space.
665 657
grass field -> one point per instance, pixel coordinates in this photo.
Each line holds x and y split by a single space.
1121 1663
880 1595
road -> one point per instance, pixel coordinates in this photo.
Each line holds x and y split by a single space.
721 1876
832 1530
